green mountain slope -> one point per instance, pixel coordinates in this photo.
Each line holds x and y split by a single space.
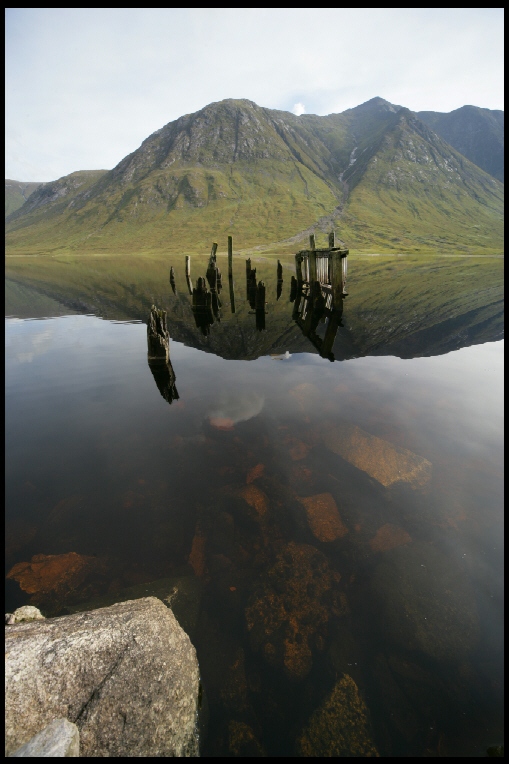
269 178
415 192
476 133
16 194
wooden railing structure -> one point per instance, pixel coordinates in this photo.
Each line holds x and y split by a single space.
318 292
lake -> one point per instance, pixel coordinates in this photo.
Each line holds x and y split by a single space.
327 528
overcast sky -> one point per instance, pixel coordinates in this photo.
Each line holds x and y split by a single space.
85 86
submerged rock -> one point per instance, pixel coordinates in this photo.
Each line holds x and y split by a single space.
242 741
381 460
287 615
340 726
126 675
323 517
53 573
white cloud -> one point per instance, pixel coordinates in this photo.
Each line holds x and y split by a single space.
85 86
299 109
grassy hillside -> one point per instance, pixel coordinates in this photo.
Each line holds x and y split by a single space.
16 194
269 178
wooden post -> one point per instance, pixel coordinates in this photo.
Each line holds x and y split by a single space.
248 267
337 281
312 267
230 257
260 296
232 294
188 267
279 271
312 245
330 333
158 338
344 269
298 268
332 240
293 289
213 251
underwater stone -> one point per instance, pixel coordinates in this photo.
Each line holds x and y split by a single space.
287 615
323 517
340 726
386 463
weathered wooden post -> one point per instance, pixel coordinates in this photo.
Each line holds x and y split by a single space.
330 333
260 306
312 267
293 289
332 240
230 257
232 294
279 271
158 337
344 268
248 267
188 267
213 251
172 280
298 268
337 281
260 296
312 245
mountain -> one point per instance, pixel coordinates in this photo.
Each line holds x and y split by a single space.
16 194
269 178
476 133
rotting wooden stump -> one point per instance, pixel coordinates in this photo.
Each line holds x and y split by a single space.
202 306
230 257
158 337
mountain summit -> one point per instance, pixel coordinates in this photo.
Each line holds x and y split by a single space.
377 172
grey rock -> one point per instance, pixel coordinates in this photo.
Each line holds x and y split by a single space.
60 738
126 675
25 613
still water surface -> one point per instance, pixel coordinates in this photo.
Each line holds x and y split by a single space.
329 534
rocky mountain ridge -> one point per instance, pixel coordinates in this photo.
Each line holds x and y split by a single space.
267 176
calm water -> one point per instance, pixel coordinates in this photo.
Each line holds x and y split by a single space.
329 534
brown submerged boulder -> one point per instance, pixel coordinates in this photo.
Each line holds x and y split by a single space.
287 615
340 726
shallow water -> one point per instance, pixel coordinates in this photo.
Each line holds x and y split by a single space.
308 521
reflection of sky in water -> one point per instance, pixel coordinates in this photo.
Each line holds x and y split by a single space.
237 407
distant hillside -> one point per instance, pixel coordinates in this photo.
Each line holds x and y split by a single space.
16 194
376 172
476 133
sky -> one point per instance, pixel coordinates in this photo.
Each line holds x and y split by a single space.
85 86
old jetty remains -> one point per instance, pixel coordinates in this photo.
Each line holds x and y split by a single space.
318 292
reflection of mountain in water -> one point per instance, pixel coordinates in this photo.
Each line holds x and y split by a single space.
405 307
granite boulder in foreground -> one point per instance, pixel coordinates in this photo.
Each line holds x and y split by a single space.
126 675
